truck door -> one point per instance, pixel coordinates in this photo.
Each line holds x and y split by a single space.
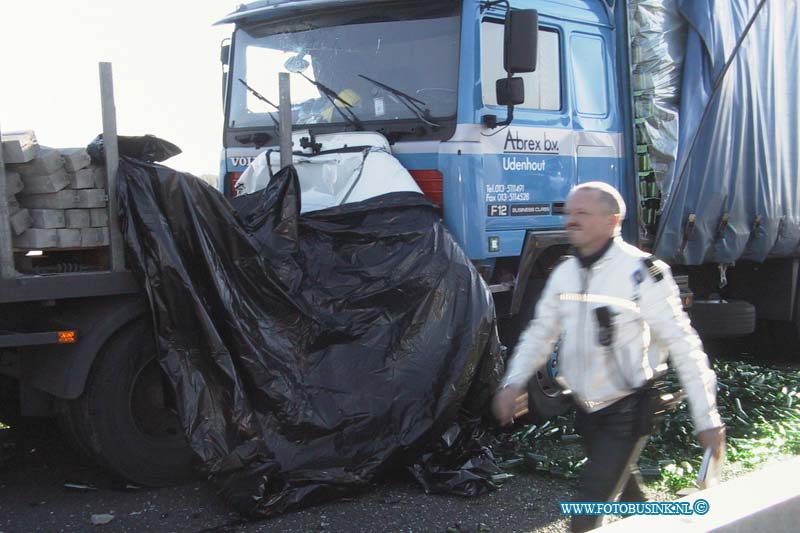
596 152
568 130
529 165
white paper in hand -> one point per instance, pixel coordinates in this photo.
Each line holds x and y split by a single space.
710 470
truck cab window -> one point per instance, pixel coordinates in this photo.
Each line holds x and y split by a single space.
591 82
411 48
542 88
262 64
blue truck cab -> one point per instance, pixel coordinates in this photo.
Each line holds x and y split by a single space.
693 120
501 189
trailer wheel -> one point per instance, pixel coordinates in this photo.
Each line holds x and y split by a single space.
128 411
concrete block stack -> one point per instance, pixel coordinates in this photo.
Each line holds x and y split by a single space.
57 196
18 148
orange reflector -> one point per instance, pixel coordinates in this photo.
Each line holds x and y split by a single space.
67 337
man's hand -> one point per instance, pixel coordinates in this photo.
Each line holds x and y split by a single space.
713 438
505 404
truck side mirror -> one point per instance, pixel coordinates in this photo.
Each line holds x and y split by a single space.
510 91
520 41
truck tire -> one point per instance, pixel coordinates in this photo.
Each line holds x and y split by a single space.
720 318
126 416
75 430
546 399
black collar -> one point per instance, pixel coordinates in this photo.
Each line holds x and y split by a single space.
589 260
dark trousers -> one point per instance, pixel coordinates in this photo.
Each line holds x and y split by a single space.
614 438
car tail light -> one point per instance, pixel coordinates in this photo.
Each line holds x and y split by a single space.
430 181
230 183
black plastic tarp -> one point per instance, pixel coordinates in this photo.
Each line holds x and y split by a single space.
312 353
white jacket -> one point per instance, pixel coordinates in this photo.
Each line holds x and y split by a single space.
642 302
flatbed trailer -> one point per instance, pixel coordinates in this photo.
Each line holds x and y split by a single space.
79 346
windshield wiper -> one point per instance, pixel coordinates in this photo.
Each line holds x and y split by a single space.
332 96
413 104
263 99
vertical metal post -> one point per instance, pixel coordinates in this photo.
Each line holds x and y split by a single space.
285 117
112 165
6 250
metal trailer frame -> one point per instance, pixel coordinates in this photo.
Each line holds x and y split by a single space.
16 287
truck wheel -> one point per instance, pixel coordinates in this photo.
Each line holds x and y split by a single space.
74 427
720 318
128 411
545 397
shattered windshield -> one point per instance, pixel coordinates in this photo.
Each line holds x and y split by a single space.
412 54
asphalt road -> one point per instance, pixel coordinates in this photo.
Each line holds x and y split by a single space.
36 467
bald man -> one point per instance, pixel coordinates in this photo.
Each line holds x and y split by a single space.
618 314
